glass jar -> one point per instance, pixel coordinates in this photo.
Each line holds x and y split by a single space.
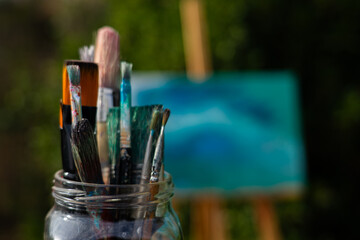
95 211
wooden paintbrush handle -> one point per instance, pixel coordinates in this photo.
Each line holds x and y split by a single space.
103 148
150 215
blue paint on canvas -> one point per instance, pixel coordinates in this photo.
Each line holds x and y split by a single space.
236 131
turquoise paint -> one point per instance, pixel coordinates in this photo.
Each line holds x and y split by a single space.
236 132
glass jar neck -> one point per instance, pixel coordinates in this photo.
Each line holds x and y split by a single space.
75 195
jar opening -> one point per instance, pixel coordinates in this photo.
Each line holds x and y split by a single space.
73 194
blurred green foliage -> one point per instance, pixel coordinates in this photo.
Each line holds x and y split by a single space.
317 39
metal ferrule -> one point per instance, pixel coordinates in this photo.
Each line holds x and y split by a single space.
104 103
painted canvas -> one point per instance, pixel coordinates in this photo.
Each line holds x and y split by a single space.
236 132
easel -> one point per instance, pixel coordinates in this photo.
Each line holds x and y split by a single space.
208 220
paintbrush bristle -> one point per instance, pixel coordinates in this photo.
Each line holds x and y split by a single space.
87 53
154 119
85 152
107 57
126 69
74 74
89 75
166 116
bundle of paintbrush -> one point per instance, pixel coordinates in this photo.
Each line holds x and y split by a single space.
104 139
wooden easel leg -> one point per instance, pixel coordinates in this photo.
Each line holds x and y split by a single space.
266 219
208 218
198 62
218 219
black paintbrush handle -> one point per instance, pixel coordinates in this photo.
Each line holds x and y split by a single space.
68 164
124 166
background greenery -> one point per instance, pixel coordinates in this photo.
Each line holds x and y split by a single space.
317 39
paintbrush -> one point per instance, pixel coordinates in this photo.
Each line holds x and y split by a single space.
146 170
89 89
107 57
86 53
155 174
158 155
125 124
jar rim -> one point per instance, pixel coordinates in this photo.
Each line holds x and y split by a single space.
58 177
74 194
